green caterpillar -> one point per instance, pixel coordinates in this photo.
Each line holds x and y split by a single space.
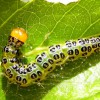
45 62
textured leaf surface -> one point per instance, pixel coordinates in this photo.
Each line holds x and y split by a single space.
48 24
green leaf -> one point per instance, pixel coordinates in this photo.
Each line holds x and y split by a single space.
47 24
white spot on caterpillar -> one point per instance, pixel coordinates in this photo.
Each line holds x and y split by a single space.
62 1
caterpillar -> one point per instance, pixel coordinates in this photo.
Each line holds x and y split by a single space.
34 72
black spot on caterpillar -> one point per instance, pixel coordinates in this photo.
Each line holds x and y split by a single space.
45 62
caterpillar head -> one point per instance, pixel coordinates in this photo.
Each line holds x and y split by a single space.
17 37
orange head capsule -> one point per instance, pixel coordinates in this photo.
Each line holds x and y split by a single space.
20 34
